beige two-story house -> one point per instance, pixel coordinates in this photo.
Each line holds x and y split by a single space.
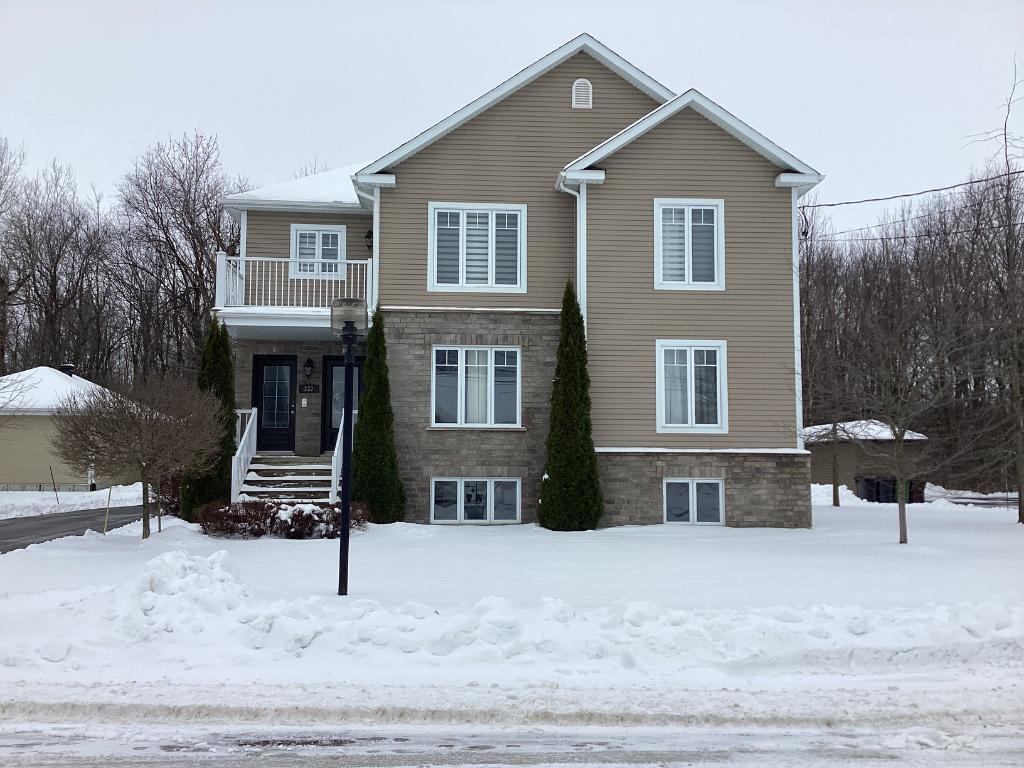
674 220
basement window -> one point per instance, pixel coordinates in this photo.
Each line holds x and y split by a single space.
474 500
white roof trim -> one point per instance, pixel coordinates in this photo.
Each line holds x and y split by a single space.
706 107
291 205
584 43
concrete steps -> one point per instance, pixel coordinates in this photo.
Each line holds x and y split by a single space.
296 478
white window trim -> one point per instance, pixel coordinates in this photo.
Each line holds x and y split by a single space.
693 499
293 264
435 287
719 346
690 203
461 496
461 401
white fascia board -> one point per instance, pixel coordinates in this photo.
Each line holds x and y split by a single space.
234 205
778 451
584 43
700 103
375 179
267 316
801 182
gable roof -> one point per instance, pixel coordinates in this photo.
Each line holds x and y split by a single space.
584 43
865 429
327 191
38 390
721 117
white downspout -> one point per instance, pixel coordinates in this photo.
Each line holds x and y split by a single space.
581 245
376 249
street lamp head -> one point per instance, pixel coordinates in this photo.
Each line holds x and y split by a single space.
348 316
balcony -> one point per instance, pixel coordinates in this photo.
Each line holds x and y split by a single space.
254 294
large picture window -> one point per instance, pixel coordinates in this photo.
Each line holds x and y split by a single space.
476 247
689 244
318 250
475 387
474 500
691 386
693 500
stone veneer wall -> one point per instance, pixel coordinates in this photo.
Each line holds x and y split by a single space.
761 489
425 451
307 420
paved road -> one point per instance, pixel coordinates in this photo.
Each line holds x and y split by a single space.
22 531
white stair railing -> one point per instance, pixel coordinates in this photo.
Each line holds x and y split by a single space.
246 427
336 458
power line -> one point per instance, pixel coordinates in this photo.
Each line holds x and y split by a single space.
912 237
912 194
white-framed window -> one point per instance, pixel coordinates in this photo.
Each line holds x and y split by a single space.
689 244
318 250
691 386
476 247
694 500
475 500
582 94
475 386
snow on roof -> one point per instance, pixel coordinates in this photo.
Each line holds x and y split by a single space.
38 390
327 188
865 429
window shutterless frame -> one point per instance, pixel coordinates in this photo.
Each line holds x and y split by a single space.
460 422
491 286
693 481
690 427
689 204
297 267
460 485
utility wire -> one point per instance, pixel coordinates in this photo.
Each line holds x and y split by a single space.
912 194
912 237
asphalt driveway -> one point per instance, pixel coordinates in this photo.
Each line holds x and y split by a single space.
22 531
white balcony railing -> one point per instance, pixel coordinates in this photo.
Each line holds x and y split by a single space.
273 282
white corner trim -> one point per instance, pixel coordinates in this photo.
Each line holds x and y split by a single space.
585 43
243 226
720 346
709 109
776 451
797 341
689 203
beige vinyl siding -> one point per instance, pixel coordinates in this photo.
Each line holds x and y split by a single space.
268 235
511 153
690 157
26 456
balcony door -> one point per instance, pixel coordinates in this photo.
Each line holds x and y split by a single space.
333 405
273 395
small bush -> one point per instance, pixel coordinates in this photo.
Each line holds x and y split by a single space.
271 517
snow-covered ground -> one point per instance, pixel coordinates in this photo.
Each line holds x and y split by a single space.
28 503
657 625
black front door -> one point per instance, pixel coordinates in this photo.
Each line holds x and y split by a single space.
334 398
273 395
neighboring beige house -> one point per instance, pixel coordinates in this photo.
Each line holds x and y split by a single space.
675 221
26 429
857 454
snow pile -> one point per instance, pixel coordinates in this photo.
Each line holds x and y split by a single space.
822 495
28 503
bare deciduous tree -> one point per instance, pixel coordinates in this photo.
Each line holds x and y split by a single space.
153 430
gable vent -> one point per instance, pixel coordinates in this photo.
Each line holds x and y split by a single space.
582 94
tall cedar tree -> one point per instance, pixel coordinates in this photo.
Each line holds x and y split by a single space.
375 479
570 492
216 375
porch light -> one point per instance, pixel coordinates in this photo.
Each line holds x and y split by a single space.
369 240
348 316
307 368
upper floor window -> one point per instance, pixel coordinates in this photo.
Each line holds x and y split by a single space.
689 244
691 386
475 387
477 247
582 94
317 250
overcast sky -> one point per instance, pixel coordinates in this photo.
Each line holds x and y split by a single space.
879 96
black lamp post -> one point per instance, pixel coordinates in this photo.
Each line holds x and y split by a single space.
348 321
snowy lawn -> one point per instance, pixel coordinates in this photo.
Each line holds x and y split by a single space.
29 503
514 620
